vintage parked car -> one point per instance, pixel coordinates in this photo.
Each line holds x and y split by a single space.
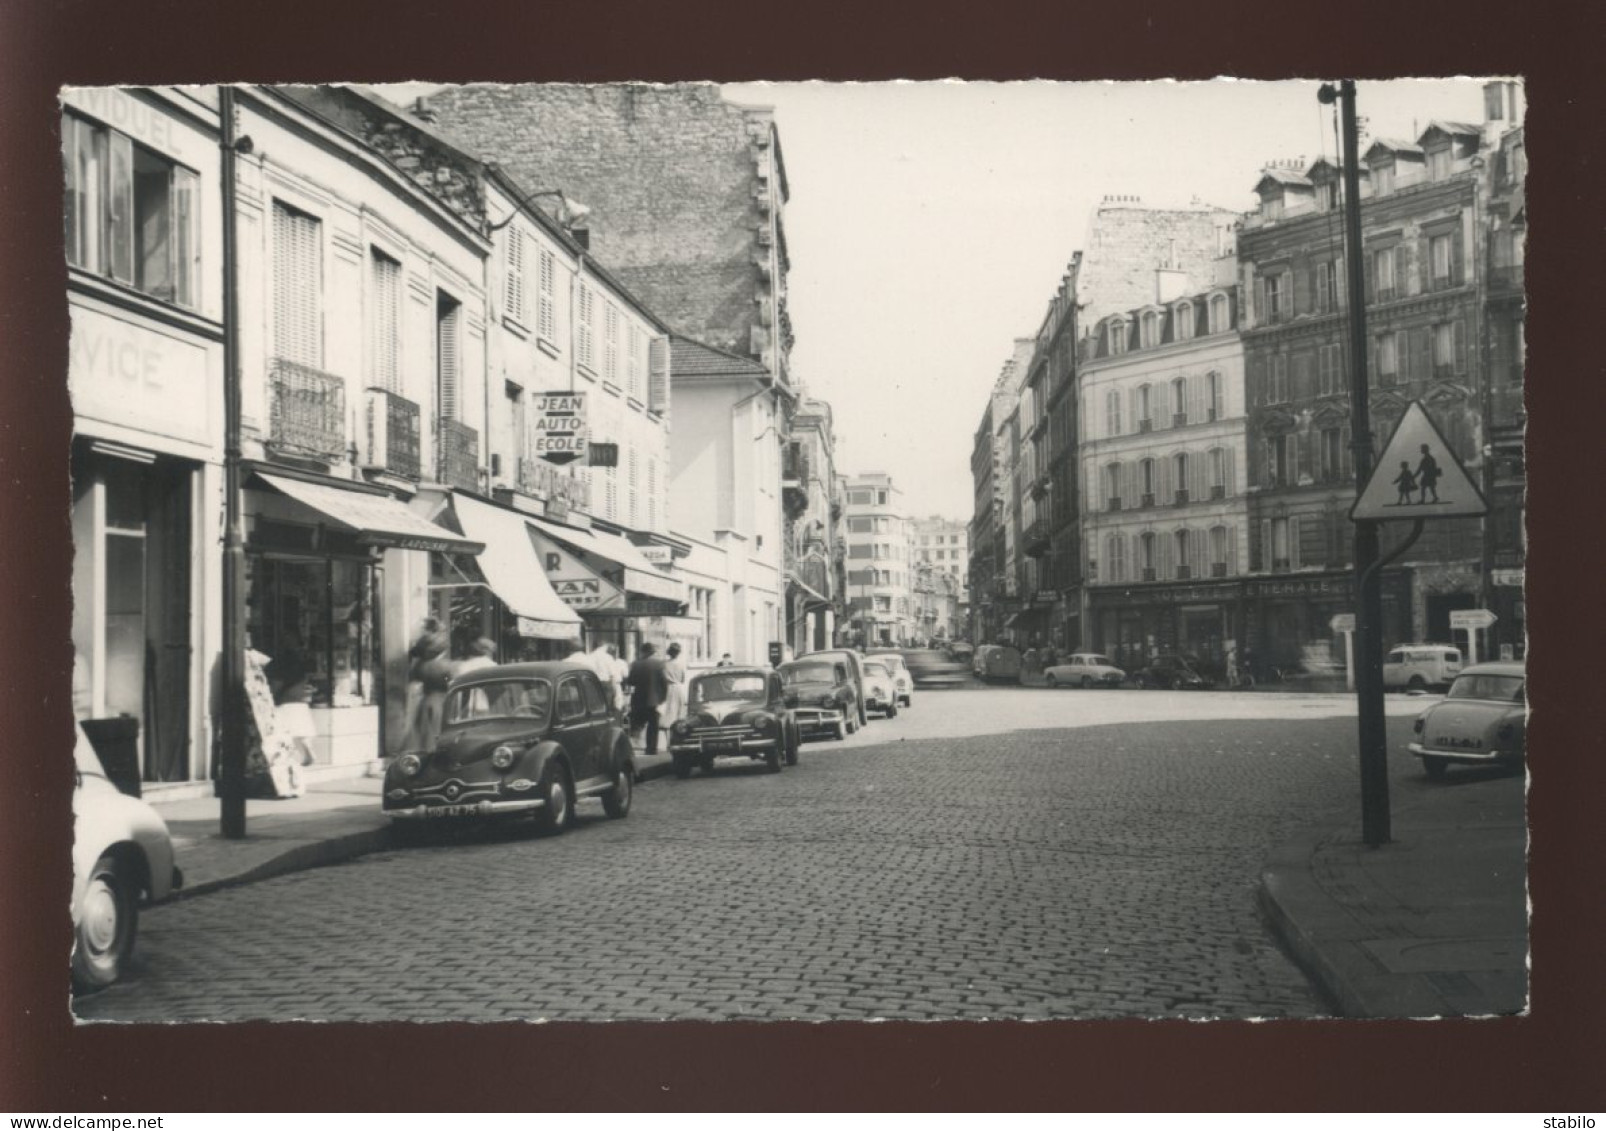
822 696
1482 721
1084 669
736 711
903 680
1173 673
880 693
517 740
1417 667
997 663
855 663
122 857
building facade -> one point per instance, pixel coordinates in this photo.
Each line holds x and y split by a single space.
1162 451
144 238
1057 541
815 597
880 585
1421 232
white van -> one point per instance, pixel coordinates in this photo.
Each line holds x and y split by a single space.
1417 667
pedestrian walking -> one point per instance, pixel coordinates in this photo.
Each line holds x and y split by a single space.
430 673
1427 475
1406 482
481 654
579 655
649 687
674 708
621 677
602 663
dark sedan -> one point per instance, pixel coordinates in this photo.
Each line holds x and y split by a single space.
1173 673
737 712
517 740
823 697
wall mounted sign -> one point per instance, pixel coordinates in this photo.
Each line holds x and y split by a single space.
560 427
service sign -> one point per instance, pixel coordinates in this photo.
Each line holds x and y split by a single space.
560 429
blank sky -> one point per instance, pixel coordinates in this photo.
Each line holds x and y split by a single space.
930 223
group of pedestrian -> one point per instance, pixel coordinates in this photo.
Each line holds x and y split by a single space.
651 691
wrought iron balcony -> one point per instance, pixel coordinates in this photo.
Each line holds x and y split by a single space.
459 450
537 477
1036 539
392 425
306 411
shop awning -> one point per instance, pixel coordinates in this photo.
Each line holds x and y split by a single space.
513 570
641 577
376 520
811 596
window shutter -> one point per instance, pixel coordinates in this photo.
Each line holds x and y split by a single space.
385 277
658 389
297 278
1369 269
1296 458
1399 271
1458 332
1304 287
546 284
1199 487
1162 480
513 275
448 363
583 318
1265 545
1230 470
1422 347
1232 550
1293 542
1456 277
1260 314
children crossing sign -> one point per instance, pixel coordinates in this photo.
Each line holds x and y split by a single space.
1417 477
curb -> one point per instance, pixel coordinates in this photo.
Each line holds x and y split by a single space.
336 850
1323 940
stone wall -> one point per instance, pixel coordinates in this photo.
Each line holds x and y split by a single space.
669 174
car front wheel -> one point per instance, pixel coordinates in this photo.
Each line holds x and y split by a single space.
683 765
772 756
839 730
892 710
559 809
107 923
1050 682
616 802
793 747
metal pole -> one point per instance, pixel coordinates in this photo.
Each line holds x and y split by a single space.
1372 726
231 752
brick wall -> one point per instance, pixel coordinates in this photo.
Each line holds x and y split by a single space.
669 176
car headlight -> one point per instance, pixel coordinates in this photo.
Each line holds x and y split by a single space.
1505 732
828 700
502 757
408 765
681 728
764 724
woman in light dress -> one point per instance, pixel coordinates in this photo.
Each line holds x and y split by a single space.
674 708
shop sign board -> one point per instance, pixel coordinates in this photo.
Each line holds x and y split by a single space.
1470 620
576 583
661 556
1417 477
139 377
559 428
1511 578
1342 622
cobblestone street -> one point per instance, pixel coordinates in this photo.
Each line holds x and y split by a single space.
1075 868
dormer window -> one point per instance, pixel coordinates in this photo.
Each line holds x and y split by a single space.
1220 314
1182 319
1149 330
1440 163
1327 196
1117 332
1271 206
1383 179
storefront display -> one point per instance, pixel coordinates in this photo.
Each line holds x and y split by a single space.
319 614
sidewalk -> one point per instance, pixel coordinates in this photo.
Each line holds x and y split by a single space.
333 821
1433 924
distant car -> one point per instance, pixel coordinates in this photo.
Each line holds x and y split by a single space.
738 712
880 692
902 679
855 662
517 740
997 663
932 668
822 696
1173 673
1418 667
1482 721
122 857
1084 669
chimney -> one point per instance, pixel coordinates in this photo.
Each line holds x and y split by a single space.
423 111
581 236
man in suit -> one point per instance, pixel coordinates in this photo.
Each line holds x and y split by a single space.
649 687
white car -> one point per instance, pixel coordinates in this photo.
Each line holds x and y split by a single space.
879 693
1417 667
903 682
122 856
1084 669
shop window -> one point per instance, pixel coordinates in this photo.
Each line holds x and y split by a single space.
131 214
316 616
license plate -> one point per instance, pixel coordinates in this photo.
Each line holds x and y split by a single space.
450 810
727 746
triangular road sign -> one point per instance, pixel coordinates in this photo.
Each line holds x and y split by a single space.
1417 477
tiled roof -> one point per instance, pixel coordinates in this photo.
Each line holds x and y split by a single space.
1394 145
689 358
1454 129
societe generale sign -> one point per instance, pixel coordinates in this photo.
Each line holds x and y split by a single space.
560 428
